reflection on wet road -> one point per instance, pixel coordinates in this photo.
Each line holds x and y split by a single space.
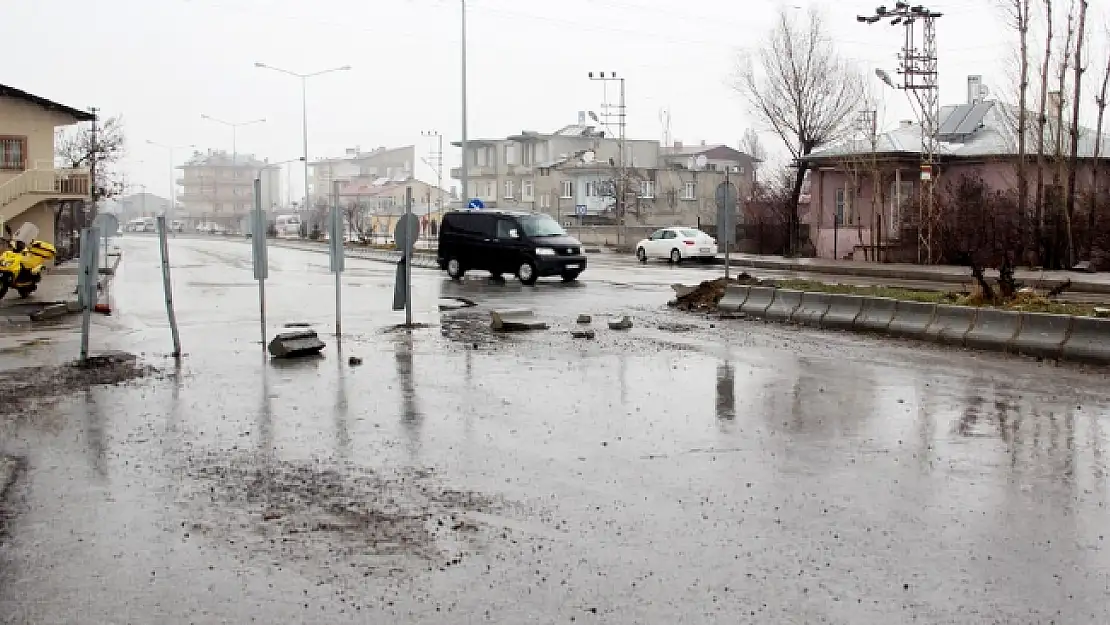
689 470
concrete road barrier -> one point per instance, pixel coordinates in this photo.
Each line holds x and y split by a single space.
759 299
515 320
875 314
843 310
993 329
734 298
1042 335
812 310
951 324
1089 341
911 319
783 306
295 344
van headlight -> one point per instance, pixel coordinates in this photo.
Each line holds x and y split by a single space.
544 251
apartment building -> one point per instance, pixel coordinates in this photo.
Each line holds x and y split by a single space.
218 187
31 188
392 163
572 174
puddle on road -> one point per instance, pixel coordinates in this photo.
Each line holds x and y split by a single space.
332 520
21 388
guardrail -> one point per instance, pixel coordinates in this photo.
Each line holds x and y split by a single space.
1041 335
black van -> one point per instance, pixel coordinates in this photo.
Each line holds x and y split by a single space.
528 245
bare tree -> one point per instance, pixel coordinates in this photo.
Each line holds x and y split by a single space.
77 149
1020 14
1073 163
354 212
1042 123
1100 102
752 145
799 86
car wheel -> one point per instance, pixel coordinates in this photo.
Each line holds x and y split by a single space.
571 276
676 256
526 273
455 269
641 255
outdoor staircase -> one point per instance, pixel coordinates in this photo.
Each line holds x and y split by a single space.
21 193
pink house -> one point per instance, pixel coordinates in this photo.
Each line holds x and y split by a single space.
865 189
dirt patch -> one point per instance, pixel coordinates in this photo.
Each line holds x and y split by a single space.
336 520
470 328
21 387
706 296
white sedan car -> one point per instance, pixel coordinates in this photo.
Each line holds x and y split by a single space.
677 244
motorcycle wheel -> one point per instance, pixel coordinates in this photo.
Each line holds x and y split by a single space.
3 289
25 292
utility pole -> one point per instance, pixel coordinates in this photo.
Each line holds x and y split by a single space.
93 149
435 161
620 115
918 68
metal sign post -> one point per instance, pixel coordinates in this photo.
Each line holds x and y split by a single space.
335 247
166 285
726 208
405 234
258 251
88 279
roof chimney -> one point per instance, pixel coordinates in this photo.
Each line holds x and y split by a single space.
703 143
581 118
974 89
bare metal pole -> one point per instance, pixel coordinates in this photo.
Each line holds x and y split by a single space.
409 245
166 284
464 169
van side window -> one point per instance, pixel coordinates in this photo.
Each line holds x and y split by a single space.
505 228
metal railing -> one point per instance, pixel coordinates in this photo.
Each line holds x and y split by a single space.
50 182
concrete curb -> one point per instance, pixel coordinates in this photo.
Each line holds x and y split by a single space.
734 298
813 309
1042 335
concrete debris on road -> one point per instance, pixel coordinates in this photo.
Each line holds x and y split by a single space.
585 319
296 344
624 323
705 296
21 387
583 334
515 320
455 303
354 361
298 324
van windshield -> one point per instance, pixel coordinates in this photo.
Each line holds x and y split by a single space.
541 226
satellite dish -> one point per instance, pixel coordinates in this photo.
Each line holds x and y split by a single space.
884 76
700 161
588 156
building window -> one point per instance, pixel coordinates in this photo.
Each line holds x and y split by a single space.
567 190
13 153
591 189
527 190
688 189
509 189
841 200
545 201
647 189
510 154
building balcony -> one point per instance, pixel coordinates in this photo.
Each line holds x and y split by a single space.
474 172
23 190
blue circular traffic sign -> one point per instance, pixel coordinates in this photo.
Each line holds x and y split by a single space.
475 203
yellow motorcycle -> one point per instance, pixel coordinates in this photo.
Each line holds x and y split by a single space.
22 266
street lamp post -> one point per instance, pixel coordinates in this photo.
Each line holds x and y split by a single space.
465 170
173 185
620 115
304 109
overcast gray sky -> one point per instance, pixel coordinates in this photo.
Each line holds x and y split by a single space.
162 63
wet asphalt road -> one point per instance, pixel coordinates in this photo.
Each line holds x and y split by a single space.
688 471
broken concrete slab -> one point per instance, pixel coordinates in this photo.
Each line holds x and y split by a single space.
583 334
585 319
52 311
682 290
296 344
354 361
624 323
515 320
455 303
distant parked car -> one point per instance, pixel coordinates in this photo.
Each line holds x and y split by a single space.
677 244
